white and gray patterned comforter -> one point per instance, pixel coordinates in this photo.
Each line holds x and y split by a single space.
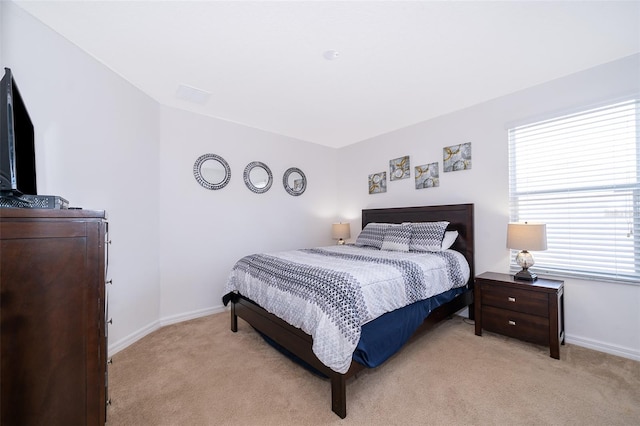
330 292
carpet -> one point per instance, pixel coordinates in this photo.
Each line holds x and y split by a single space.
200 373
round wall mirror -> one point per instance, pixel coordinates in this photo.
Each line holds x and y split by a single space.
258 177
294 181
212 171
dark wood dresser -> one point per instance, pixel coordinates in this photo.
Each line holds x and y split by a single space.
52 307
530 311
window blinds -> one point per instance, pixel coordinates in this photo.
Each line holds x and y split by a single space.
580 175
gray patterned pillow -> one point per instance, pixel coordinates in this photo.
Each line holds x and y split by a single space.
372 235
427 236
397 237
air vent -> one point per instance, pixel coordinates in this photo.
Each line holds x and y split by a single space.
192 94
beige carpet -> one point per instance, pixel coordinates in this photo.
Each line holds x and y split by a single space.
200 373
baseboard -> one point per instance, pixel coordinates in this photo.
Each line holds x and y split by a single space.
134 337
603 347
173 319
116 347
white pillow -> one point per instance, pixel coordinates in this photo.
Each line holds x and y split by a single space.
448 240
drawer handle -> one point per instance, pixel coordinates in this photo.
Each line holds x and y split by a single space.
512 322
511 299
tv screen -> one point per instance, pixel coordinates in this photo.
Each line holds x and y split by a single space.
17 152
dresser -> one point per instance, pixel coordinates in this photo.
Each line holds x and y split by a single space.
52 308
530 311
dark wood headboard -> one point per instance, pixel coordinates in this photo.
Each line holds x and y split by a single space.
459 216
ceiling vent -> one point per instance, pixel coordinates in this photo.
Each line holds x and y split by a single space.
192 94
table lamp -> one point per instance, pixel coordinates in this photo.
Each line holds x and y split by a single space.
526 236
340 231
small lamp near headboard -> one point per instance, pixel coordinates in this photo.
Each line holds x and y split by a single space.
340 231
526 236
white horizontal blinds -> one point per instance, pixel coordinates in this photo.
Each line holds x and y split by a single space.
579 174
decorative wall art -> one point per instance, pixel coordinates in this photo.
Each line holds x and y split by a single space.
294 181
258 177
457 157
212 171
378 183
427 176
399 168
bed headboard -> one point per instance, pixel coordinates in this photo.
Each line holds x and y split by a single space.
460 217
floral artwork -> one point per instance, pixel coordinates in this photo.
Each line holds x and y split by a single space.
427 176
457 157
378 183
399 168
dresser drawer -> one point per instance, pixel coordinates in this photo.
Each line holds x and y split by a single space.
515 299
527 327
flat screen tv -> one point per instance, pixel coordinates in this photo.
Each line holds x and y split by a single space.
17 152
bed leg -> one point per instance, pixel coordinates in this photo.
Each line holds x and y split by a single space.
234 318
339 395
472 311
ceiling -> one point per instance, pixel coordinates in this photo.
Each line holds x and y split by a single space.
262 64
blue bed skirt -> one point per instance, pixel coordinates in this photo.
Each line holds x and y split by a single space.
384 336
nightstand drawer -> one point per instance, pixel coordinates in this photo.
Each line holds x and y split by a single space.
514 299
527 327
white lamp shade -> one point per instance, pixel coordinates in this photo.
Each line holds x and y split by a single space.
341 231
527 236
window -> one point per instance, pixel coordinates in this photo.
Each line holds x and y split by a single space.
580 174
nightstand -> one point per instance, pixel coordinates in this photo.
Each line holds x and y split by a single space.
530 311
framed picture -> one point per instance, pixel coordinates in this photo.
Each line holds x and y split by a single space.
427 176
457 157
378 183
399 168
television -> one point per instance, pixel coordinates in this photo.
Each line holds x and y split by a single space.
17 152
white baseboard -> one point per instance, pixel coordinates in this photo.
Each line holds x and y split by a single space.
116 347
603 347
134 337
173 319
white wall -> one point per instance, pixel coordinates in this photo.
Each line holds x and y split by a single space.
604 316
205 232
96 140
2 40
104 145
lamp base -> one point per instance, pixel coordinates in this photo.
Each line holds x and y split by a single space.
341 242
525 275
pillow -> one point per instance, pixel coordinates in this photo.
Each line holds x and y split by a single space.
372 235
448 240
427 236
397 237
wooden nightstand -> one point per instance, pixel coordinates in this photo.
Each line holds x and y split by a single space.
530 311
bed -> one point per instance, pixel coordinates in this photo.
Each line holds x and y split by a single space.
300 344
